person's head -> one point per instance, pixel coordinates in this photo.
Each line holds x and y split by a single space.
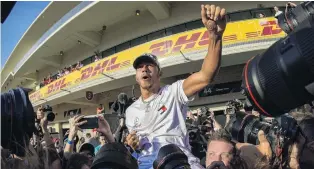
100 106
147 71
276 8
88 150
102 140
261 15
78 161
88 135
220 148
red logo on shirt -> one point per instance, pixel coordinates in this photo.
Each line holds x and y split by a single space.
162 109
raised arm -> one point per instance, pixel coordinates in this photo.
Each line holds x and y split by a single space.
213 18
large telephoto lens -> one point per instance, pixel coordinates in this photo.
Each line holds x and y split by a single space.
282 78
244 127
171 157
297 18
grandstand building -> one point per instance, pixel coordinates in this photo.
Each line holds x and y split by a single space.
117 32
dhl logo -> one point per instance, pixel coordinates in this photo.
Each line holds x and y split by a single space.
270 28
35 96
106 65
200 39
57 85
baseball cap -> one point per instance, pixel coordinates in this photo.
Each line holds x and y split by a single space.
87 146
146 57
110 155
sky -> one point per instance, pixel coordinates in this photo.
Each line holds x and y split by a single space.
21 17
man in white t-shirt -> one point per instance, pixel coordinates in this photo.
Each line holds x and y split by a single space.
157 118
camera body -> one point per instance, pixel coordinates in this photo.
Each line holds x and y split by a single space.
233 106
297 18
48 113
244 127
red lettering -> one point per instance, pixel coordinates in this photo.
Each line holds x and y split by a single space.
112 64
103 66
86 73
96 69
204 39
269 28
56 86
50 88
188 42
161 48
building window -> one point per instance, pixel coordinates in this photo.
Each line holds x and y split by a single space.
266 12
87 61
194 25
240 16
175 29
138 41
108 52
156 35
123 46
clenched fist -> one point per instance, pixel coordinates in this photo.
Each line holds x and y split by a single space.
213 18
132 140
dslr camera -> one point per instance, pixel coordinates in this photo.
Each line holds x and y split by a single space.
233 106
244 128
48 113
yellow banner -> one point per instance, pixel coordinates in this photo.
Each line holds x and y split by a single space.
236 32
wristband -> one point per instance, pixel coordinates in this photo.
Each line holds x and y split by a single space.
70 142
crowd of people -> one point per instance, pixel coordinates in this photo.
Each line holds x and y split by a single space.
50 78
159 117
277 11
65 71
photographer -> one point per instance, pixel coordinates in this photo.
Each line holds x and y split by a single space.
43 124
55 162
222 152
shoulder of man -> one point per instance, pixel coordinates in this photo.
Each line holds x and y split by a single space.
133 105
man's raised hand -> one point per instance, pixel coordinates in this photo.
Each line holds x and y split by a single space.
103 125
74 125
213 18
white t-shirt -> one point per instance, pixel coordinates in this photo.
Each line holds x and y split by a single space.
161 121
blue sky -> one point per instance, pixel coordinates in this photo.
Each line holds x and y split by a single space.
21 17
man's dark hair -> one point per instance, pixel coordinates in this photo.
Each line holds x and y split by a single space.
223 135
77 160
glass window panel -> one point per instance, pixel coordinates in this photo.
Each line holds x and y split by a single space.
156 35
138 41
87 61
123 46
108 52
240 16
266 12
194 25
175 29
